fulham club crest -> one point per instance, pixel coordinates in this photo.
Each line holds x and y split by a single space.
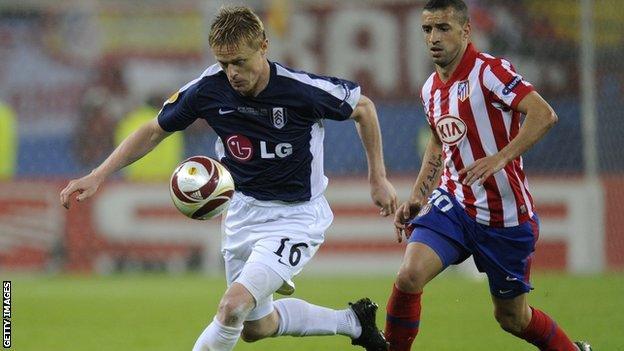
279 117
463 90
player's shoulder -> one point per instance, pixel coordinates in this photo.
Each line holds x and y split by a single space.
308 80
491 61
212 78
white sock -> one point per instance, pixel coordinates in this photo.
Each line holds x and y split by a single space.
299 318
348 324
218 337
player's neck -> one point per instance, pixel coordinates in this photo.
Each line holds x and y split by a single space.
445 73
263 80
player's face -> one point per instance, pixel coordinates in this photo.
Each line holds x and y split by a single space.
445 35
246 67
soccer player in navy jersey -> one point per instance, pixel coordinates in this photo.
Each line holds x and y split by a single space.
269 120
471 197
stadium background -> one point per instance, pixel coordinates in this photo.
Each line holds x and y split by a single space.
76 76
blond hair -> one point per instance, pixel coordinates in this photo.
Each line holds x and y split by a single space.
235 25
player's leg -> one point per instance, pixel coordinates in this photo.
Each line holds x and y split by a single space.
296 317
249 297
505 256
529 323
226 327
286 251
427 254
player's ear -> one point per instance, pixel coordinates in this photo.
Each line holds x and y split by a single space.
467 29
264 47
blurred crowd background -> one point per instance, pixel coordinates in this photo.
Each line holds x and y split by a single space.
78 76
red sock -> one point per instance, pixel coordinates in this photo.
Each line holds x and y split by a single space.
544 333
402 319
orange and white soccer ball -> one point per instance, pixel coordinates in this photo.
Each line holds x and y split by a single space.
201 188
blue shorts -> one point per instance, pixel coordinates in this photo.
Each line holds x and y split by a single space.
504 254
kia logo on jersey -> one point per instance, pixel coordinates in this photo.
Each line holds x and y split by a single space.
451 130
240 147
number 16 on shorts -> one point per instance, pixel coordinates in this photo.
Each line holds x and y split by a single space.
294 256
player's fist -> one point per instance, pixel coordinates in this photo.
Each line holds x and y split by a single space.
85 187
404 213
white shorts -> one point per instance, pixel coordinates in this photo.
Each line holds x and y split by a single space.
282 236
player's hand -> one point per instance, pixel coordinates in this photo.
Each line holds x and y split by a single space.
404 213
384 196
482 169
85 187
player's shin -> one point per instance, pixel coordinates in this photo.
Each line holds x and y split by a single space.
218 337
544 333
300 318
402 319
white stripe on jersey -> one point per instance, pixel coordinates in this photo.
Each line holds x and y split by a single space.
467 159
336 90
486 135
210 71
318 180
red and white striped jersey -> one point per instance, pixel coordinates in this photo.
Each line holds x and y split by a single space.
474 115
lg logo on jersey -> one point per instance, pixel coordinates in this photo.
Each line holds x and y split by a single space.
241 148
281 150
450 129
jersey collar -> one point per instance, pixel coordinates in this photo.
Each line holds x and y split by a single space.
465 66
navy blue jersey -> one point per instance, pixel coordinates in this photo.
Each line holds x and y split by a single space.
271 143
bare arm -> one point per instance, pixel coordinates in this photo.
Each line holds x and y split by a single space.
428 178
367 124
540 117
135 146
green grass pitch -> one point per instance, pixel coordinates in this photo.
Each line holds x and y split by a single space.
160 312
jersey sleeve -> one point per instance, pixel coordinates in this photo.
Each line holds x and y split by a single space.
336 98
178 112
508 86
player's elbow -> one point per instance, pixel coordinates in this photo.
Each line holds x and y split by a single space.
551 118
365 108
548 117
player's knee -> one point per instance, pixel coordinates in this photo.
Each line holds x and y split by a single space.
410 279
232 311
509 321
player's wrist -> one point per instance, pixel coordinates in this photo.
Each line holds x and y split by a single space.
414 202
98 174
377 177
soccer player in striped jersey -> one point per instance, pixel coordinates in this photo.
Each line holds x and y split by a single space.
471 197
269 119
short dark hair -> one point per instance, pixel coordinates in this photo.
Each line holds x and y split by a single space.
458 5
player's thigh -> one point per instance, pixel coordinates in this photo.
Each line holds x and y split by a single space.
420 264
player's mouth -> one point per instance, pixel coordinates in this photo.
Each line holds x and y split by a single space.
436 52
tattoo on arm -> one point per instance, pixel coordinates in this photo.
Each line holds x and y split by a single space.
435 165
